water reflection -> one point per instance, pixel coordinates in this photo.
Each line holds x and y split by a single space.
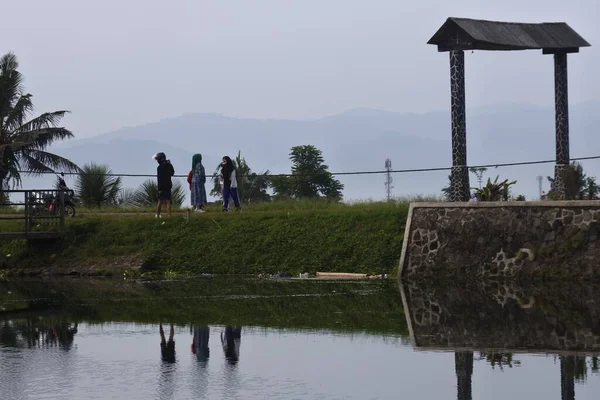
201 336
230 340
488 330
511 318
34 332
167 347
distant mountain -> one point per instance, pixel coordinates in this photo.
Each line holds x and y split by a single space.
357 140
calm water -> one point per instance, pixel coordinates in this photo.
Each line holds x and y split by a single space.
296 340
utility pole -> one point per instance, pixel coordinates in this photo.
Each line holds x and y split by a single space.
539 178
388 179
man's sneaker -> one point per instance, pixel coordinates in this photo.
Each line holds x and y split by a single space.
158 216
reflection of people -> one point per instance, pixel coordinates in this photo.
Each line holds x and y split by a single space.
164 173
230 340
167 348
200 343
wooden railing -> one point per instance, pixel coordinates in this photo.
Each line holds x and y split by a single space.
42 211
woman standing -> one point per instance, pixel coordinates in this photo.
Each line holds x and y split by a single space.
229 184
198 180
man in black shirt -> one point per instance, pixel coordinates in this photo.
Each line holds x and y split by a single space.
164 173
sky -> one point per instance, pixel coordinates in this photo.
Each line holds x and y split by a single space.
129 62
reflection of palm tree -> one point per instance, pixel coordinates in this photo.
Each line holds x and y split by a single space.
567 378
573 369
595 365
463 364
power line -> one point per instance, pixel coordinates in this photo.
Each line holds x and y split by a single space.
376 172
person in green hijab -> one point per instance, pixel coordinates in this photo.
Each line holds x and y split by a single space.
198 180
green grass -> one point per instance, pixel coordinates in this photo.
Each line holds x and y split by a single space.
295 237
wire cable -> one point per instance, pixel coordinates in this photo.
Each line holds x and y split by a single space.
376 172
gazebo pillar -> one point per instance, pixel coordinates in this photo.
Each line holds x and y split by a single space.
561 104
459 178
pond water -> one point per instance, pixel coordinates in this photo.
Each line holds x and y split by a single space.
230 339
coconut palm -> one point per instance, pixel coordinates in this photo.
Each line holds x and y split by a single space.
95 186
147 194
23 143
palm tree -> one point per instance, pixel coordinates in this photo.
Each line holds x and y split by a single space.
23 143
147 194
126 197
95 186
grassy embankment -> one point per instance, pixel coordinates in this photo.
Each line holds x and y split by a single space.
268 238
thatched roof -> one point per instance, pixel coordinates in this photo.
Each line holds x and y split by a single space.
473 34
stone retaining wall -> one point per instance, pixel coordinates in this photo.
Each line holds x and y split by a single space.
515 240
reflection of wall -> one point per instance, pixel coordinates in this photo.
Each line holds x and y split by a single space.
504 316
511 239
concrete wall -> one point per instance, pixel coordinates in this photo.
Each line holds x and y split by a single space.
515 240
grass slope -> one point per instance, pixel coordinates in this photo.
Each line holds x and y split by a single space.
363 238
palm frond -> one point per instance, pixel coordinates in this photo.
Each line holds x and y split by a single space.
41 138
46 120
34 166
50 161
126 197
8 62
11 85
18 113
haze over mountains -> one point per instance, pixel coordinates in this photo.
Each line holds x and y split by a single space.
357 140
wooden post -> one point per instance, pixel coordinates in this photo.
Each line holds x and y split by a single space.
61 202
27 214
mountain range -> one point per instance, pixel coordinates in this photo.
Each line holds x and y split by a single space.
356 140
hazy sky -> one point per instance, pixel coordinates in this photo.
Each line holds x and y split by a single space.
115 63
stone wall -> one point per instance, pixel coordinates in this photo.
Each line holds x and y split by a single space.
514 240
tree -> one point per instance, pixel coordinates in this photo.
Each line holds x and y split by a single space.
23 143
146 194
447 191
310 178
478 171
591 189
252 187
494 191
95 186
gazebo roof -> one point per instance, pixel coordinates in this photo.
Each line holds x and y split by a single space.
473 34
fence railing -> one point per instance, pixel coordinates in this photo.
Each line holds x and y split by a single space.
41 210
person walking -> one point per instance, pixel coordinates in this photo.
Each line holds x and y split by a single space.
197 182
164 173
229 184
